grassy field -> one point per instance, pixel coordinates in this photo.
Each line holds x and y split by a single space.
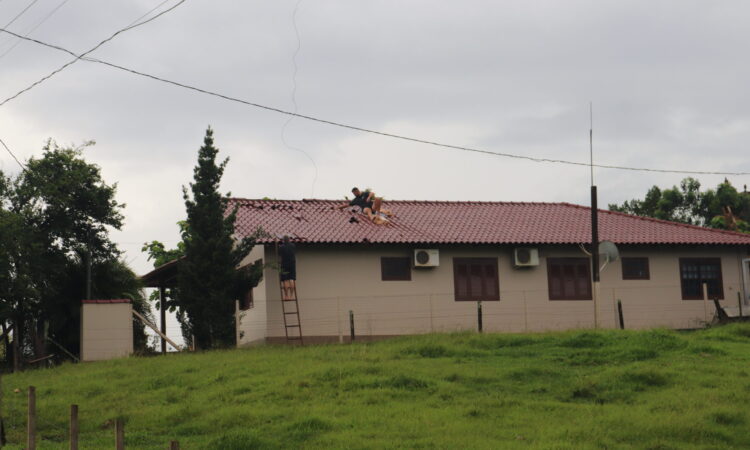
585 389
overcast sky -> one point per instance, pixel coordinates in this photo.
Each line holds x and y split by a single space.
668 81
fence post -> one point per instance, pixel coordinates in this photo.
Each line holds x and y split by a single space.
119 434
705 302
237 322
73 427
739 302
479 315
174 445
619 313
31 423
351 325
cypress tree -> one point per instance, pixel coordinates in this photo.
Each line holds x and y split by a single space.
207 277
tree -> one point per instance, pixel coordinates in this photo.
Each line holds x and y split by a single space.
687 204
54 216
207 275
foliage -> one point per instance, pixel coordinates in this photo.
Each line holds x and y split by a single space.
54 216
567 390
207 277
687 204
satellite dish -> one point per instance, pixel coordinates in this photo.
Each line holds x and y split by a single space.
608 251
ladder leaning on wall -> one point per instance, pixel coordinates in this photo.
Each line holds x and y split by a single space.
290 311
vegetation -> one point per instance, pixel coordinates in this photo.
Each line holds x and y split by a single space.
208 279
655 389
688 204
54 220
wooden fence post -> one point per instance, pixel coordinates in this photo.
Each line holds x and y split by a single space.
31 423
237 322
73 427
705 302
619 313
739 303
351 325
119 434
479 316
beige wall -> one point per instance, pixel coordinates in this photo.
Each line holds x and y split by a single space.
332 280
106 331
253 320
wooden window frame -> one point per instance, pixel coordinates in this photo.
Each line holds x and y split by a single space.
644 259
702 260
484 261
401 259
562 262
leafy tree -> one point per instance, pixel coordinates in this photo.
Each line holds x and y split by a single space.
207 275
688 204
53 216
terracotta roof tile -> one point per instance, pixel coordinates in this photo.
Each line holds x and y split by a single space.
440 222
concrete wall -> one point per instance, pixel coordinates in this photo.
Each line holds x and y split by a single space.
331 280
106 330
253 320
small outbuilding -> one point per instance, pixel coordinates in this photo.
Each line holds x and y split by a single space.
106 329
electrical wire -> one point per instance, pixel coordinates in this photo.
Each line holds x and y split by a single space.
375 132
38 24
82 55
294 101
23 167
20 14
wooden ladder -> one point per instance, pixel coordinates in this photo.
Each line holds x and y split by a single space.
290 311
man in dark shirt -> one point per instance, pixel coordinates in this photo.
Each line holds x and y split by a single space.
287 269
361 199
369 204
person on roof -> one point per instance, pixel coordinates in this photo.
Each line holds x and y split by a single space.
370 205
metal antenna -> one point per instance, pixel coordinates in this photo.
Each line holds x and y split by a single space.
591 140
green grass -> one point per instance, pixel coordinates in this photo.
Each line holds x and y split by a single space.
654 389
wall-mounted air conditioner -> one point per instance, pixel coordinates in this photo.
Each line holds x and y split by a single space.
426 258
525 257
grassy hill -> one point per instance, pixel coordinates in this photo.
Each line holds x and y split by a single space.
586 389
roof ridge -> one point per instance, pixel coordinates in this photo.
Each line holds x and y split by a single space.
457 202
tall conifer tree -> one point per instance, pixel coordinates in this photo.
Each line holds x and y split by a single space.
207 277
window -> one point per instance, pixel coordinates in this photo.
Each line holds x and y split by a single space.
475 279
246 302
696 271
395 269
569 278
635 269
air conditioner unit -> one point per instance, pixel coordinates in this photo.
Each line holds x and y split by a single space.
426 258
525 257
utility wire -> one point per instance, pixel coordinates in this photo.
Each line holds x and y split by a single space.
149 12
20 14
38 24
23 167
82 55
294 101
375 132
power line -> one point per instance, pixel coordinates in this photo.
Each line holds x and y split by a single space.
38 24
294 101
23 167
375 132
78 57
20 14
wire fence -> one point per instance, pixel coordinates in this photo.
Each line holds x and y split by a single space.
518 310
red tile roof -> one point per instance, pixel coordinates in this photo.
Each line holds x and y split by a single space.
440 222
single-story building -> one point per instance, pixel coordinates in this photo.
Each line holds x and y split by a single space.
527 264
